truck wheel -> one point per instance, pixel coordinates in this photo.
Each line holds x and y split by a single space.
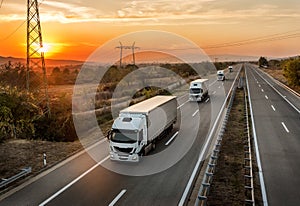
153 146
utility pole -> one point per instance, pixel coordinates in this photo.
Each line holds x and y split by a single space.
35 55
121 47
133 55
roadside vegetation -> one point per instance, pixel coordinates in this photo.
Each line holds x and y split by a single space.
26 132
286 71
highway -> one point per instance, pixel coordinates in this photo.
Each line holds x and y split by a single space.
81 180
276 121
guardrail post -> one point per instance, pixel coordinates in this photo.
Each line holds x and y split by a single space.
45 159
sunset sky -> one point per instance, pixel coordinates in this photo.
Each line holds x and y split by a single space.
73 29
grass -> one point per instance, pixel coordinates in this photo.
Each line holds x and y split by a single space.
17 154
278 75
228 185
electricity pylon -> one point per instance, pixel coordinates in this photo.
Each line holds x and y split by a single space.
35 56
121 47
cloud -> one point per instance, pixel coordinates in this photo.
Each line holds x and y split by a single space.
154 12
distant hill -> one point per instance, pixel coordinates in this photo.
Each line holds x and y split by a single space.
232 57
48 62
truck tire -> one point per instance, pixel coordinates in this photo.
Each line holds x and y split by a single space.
153 146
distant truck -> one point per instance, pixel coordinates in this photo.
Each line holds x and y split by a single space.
135 132
220 75
230 68
198 90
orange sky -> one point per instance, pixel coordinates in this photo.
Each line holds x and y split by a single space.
73 29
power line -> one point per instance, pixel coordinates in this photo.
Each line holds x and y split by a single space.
14 31
261 39
274 37
256 38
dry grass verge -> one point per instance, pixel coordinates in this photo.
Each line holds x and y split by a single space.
18 154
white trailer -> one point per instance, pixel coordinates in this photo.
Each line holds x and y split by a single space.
220 75
198 90
136 130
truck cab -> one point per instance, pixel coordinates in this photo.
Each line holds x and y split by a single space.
128 137
198 90
220 75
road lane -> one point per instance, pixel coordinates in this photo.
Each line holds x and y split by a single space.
277 131
100 186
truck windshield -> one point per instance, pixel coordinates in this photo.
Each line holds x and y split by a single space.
220 75
124 136
195 90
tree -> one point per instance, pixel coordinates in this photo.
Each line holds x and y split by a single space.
66 71
291 71
6 123
262 62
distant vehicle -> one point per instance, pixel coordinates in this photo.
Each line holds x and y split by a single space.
230 68
198 90
135 132
221 75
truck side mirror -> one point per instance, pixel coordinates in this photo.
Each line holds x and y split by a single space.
108 134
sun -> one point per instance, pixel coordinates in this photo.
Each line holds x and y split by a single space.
46 48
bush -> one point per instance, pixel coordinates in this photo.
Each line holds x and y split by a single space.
54 128
291 71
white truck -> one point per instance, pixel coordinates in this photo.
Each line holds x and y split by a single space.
198 90
220 75
136 130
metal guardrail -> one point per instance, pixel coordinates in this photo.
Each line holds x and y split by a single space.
208 176
248 169
23 172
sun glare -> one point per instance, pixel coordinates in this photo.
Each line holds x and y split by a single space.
46 48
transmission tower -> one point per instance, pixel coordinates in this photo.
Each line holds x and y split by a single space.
121 47
35 56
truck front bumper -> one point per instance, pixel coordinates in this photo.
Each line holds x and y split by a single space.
124 157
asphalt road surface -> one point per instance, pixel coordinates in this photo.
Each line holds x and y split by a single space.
83 181
277 122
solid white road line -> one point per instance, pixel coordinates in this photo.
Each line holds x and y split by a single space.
262 90
284 97
73 182
117 198
171 139
195 112
266 97
182 104
207 100
260 171
273 108
286 129
204 148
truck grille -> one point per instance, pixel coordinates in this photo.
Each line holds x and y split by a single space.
125 150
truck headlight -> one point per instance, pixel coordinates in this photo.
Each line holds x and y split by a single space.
111 156
134 158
